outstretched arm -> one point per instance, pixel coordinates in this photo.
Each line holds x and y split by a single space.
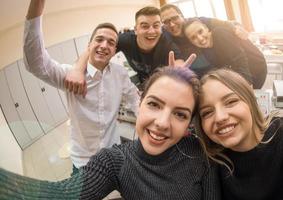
75 78
234 26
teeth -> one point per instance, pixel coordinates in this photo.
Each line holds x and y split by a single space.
150 38
101 53
226 130
156 137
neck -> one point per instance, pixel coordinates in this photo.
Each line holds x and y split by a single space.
142 49
98 65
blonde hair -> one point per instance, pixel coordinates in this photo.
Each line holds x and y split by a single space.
241 87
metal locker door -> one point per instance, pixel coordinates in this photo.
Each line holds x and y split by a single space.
36 97
11 115
21 101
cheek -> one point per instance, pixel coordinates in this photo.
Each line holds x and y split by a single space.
205 126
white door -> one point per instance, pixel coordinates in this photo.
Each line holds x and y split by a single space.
21 101
36 97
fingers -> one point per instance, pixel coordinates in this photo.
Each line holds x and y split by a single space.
190 60
171 59
84 91
81 88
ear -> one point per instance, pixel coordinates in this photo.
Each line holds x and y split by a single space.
135 29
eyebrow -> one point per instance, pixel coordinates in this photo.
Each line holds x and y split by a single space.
106 38
146 23
159 100
223 98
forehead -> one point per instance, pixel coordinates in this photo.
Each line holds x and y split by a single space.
107 33
168 13
193 27
213 90
174 92
149 19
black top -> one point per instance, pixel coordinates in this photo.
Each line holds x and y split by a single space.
145 63
258 173
240 55
181 172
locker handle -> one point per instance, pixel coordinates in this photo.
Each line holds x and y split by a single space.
16 105
43 89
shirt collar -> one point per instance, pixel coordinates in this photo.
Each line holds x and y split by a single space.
92 70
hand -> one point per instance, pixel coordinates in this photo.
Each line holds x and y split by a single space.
75 82
180 63
241 33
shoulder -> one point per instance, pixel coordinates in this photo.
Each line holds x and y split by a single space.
127 36
118 68
107 156
275 126
222 33
192 145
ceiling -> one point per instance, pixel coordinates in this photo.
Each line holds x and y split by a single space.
12 12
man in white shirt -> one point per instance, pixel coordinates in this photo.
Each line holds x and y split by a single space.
93 118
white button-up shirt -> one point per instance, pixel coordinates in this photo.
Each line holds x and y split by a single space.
94 118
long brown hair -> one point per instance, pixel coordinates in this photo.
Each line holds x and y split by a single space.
241 87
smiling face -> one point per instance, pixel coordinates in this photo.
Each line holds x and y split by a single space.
199 35
164 114
148 31
102 47
173 21
226 119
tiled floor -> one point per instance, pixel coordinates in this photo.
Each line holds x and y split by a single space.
41 160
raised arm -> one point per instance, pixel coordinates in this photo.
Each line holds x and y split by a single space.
35 8
36 58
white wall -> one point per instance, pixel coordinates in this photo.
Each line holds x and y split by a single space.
10 152
59 26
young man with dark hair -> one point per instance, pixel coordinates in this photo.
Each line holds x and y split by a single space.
93 119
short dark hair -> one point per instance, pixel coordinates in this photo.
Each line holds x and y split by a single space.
168 6
103 25
147 11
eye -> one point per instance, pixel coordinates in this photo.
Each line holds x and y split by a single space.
205 113
112 43
99 39
156 26
153 104
181 115
232 101
145 27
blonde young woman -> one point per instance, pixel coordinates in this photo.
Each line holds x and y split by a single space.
248 147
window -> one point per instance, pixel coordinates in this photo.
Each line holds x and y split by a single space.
267 15
201 8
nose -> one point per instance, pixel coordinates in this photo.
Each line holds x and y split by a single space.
162 121
104 44
151 29
199 37
221 115
171 23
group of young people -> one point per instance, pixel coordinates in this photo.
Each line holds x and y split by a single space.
234 152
